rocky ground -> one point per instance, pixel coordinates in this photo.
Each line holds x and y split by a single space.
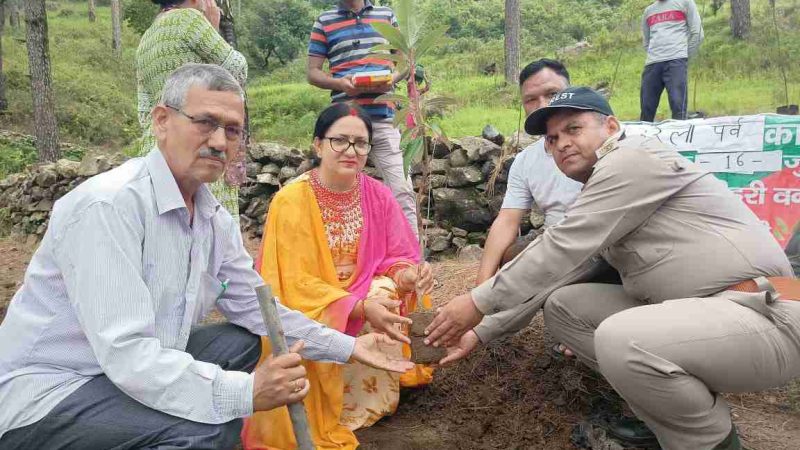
508 395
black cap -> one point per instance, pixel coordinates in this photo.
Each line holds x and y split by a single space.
581 98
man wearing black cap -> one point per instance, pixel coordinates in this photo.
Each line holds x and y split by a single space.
679 330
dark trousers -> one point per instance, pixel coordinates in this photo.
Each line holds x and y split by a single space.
99 416
665 74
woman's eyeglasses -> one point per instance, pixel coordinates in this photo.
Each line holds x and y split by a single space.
341 144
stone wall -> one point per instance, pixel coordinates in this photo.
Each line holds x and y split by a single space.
466 196
26 198
467 189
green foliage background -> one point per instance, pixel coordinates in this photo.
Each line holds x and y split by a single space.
96 92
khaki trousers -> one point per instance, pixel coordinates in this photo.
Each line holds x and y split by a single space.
671 360
388 159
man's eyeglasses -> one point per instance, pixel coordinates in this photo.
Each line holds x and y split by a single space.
208 126
341 144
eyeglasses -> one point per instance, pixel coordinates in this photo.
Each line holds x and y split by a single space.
208 126
341 145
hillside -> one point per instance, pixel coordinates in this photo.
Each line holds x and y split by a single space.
728 77
95 91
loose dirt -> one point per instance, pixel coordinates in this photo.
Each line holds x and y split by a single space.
510 394
14 257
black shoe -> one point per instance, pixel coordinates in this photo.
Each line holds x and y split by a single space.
631 432
731 442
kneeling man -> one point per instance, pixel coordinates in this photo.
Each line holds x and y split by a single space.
704 306
100 347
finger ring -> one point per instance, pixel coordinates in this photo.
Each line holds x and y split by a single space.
298 385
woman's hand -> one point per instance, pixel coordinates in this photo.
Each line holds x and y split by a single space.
416 278
378 312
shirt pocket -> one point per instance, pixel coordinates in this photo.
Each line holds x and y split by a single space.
209 291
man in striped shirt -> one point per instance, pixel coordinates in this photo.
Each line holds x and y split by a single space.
344 36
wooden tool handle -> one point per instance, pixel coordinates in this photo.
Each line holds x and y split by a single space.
297 412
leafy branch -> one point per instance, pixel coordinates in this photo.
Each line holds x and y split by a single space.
408 42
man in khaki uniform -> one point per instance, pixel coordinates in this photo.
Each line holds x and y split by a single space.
673 335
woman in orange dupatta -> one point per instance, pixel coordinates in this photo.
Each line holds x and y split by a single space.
338 248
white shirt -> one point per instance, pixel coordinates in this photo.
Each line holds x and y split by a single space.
534 177
115 287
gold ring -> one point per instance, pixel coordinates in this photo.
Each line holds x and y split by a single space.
300 387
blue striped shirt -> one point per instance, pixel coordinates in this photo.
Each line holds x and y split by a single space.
115 287
346 39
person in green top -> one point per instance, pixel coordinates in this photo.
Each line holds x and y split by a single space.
184 31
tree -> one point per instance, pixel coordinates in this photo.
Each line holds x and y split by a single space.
512 41
3 101
407 43
275 29
92 15
781 56
41 81
116 26
139 14
13 15
740 18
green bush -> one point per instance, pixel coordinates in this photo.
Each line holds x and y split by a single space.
139 14
15 154
274 32
19 151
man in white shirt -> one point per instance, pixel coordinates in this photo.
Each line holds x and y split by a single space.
100 347
533 176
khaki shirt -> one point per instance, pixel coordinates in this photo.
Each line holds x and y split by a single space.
670 228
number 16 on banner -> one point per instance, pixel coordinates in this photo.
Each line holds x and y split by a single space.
741 162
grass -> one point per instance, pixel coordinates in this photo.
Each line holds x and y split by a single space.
728 77
15 154
96 91
18 151
286 111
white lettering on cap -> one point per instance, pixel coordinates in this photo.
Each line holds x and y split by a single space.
561 96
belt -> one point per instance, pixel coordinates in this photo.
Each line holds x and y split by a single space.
781 288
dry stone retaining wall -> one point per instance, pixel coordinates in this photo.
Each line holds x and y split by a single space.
466 193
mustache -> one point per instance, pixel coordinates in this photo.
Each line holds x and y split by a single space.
212 152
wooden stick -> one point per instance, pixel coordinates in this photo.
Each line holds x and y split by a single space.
297 412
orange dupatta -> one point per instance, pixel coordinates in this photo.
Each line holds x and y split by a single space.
296 261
